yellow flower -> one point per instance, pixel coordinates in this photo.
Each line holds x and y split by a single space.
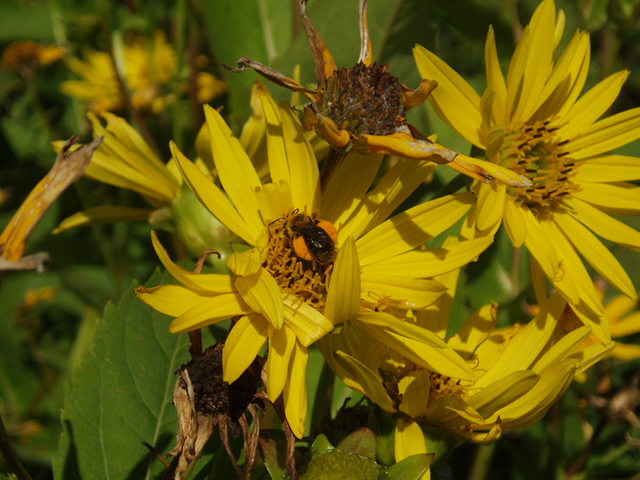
147 67
364 107
519 372
535 125
302 276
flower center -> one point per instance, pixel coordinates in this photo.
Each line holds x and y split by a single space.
535 153
300 256
363 100
442 385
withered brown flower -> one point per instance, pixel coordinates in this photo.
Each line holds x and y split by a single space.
364 107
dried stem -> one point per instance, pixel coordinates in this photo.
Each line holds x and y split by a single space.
10 456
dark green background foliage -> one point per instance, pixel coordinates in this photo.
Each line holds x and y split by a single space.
85 384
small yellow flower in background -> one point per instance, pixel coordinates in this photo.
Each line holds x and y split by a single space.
535 125
148 66
519 372
316 260
26 52
364 107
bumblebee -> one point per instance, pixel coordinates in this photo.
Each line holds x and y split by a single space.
312 239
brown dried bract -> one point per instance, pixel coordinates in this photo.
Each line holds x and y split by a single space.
204 400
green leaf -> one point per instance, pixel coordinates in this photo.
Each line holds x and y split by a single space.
273 449
362 441
120 395
260 29
411 468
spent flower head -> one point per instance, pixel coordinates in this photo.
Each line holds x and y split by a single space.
364 107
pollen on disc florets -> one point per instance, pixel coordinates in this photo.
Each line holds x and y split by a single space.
307 280
534 152
363 100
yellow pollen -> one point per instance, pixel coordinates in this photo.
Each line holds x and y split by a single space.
535 153
442 385
307 280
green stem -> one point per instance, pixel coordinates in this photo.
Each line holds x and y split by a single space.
482 461
323 396
10 456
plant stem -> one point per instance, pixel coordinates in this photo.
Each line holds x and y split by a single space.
10 456
481 462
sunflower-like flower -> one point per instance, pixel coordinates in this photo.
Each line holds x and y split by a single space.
316 260
519 372
535 125
147 67
364 107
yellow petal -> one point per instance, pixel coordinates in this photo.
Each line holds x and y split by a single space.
303 166
498 173
237 175
609 168
413 227
276 152
617 308
401 292
454 100
432 262
539 60
436 317
171 300
295 390
274 200
404 145
537 278
525 347
409 439
495 79
245 263
598 256
104 214
566 80
343 297
213 199
418 349
592 105
514 223
281 343
629 325
348 186
308 324
619 198
562 349
451 411
370 382
243 344
491 200
211 310
607 134
502 392
475 330
202 283
415 389
532 406
262 293
604 225
626 352
396 185
539 244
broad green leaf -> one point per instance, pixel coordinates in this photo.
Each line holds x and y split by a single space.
120 394
259 29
